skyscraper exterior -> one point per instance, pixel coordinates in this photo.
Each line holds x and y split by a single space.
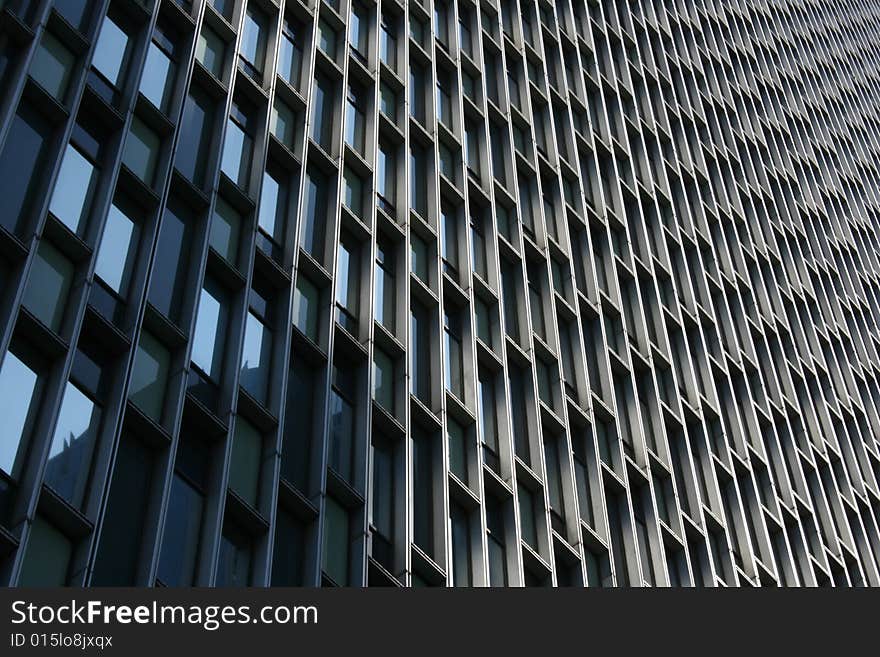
430 293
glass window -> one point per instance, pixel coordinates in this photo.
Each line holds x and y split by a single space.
417 92
289 555
282 123
170 265
142 151
487 412
223 7
120 541
495 531
47 556
423 491
454 358
355 119
273 208
342 420
327 39
111 51
336 542
149 376
358 30
353 188
383 380
236 556
21 162
461 547
484 325
225 230
181 538
385 286
70 455
478 248
418 172
157 82
447 162
388 42
419 257
444 100
195 135
74 188
528 525
449 239
347 275
417 29
256 357
18 404
387 179
238 149
209 337
420 354
75 11
315 214
471 146
253 41
48 285
290 54
383 497
457 449
306 299
322 112
52 66
211 51
388 102
245 461
117 251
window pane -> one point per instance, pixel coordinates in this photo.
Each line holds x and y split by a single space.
383 380
195 132
225 229
327 39
73 190
19 383
110 52
255 358
210 51
290 55
237 154
70 456
158 77
142 151
180 541
457 449
47 556
210 331
52 66
244 469
20 164
305 307
236 554
273 207
341 433
116 253
253 40
149 376
322 112
283 123
172 260
336 542
49 285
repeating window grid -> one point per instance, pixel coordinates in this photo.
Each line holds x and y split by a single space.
760 275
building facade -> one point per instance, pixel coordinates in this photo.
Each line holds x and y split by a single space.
428 293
